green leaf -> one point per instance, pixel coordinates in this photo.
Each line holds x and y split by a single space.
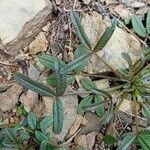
146 110
11 134
88 84
105 37
79 29
57 115
75 63
21 111
23 135
129 138
109 139
45 123
40 136
148 23
33 85
32 120
48 61
107 116
101 109
86 101
52 80
80 51
144 140
138 26
43 145
60 80
127 58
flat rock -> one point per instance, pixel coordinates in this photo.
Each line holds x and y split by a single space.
9 98
120 42
40 44
20 21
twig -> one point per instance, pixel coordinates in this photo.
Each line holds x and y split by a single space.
70 139
130 31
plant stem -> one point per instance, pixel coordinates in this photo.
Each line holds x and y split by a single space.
135 111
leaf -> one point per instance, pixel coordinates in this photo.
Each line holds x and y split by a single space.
101 109
127 58
144 140
52 80
87 84
24 135
45 123
11 134
138 26
43 145
60 80
48 61
32 120
79 29
57 116
40 136
33 85
148 23
21 111
146 110
107 116
75 63
130 137
86 101
105 37
109 139
80 51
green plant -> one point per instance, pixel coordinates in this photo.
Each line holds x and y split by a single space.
28 134
132 81
139 27
63 74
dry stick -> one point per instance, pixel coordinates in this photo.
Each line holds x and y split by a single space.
135 112
70 139
130 31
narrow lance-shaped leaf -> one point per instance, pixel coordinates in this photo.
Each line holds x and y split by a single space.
148 23
127 58
75 63
138 26
43 145
105 37
81 50
33 85
143 139
79 29
60 79
130 137
57 115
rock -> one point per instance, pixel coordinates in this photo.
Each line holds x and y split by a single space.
30 98
122 11
137 4
75 125
39 44
90 138
20 21
120 41
9 98
70 104
86 1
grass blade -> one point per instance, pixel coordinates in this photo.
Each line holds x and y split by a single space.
105 37
33 85
79 29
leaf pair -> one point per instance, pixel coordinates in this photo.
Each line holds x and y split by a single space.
139 27
83 37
